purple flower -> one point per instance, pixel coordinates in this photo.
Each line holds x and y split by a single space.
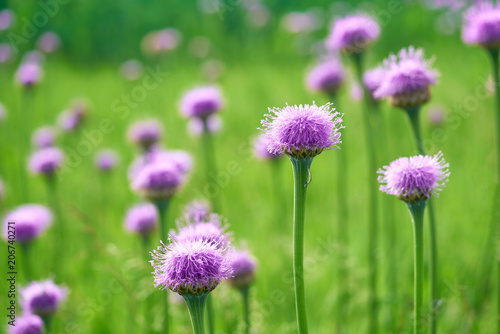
42 298
244 266
353 34
437 115
5 53
131 69
48 42
416 178
29 74
191 267
106 160
158 180
46 161
142 219
161 41
197 211
180 159
43 137
482 25
260 148
27 324
326 77
30 221
71 119
372 79
34 57
201 102
407 79
210 231
7 17
196 126
302 131
145 133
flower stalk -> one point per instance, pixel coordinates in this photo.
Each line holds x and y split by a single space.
196 306
301 174
162 207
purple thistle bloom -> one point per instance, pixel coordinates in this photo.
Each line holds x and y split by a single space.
158 180
46 161
196 125
27 324
42 298
145 133
180 159
142 219
302 131
416 178
31 220
34 57
131 69
5 53
407 79
326 77
7 17
244 266
353 34
29 74
197 211
43 137
210 231
191 267
482 25
201 102
260 148
106 160
48 42
161 41
372 79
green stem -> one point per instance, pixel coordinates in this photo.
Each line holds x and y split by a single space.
301 171
47 324
417 214
210 164
413 115
493 233
59 235
148 306
372 193
246 308
162 207
196 307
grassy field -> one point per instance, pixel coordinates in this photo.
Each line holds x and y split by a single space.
105 267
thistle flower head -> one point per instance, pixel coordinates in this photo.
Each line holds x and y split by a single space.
29 74
48 42
72 118
180 159
191 266
27 324
372 79
46 161
260 148
482 24
326 77
43 137
201 102
415 178
197 211
30 221
196 126
353 34
7 17
42 298
244 266
142 219
407 79
158 180
106 160
302 131
210 230
145 133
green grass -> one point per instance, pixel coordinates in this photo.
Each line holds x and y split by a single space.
105 267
